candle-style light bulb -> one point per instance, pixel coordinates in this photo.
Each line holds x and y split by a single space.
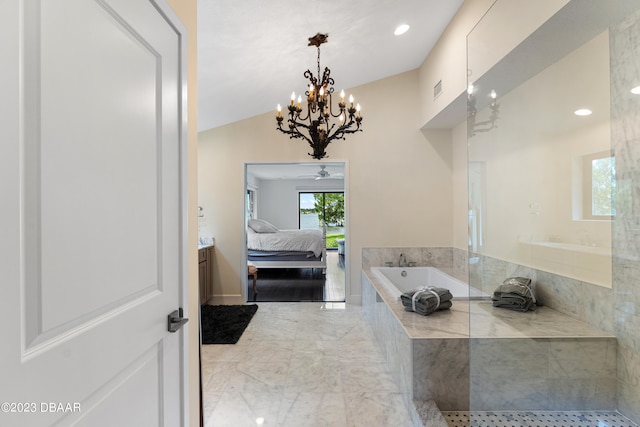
470 89
299 100
279 111
351 100
358 109
342 96
293 98
341 119
493 94
322 91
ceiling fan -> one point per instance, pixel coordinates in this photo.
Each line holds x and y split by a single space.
324 174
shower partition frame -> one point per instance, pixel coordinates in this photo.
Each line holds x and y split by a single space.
556 373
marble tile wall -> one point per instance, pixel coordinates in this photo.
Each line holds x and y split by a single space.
584 301
624 46
441 258
543 374
399 351
441 372
395 344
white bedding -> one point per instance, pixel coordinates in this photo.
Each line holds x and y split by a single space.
287 240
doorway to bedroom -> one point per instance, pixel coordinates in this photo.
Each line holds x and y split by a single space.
286 204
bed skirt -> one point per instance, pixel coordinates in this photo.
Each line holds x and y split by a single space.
281 256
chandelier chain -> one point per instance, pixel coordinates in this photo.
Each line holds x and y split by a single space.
318 62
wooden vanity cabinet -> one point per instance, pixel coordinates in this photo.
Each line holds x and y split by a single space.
205 273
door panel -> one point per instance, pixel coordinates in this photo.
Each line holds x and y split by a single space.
92 240
80 211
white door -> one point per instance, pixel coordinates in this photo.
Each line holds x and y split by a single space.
91 213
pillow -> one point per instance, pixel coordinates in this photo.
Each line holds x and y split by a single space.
262 226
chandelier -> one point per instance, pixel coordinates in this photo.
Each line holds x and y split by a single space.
317 126
474 126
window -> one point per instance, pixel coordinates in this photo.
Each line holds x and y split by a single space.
327 207
598 188
250 204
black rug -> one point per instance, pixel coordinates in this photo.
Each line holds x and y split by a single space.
224 324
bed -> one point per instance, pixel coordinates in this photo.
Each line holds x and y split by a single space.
270 247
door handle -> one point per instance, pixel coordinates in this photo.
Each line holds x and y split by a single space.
176 321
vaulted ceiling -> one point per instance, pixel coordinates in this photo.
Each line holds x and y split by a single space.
252 53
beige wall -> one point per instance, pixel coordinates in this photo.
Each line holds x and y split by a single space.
447 60
510 22
187 12
398 183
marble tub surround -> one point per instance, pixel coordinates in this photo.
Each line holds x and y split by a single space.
488 321
397 349
442 358
452 323
460 264
439 257
549 374
435 367
583 301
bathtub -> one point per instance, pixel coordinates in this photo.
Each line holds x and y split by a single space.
398 280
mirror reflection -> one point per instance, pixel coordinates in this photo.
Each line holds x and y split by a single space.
543 148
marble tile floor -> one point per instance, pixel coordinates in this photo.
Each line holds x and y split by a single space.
536 419
334 288
301 364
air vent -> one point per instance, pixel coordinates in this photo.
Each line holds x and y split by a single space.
437 89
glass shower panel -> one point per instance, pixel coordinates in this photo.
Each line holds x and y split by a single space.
542 199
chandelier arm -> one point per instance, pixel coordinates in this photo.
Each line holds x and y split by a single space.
294 134
340 106
342 129
307 117
297 124
346 129
318 60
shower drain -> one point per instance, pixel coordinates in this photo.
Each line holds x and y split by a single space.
536 419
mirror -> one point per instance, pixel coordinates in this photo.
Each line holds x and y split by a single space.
541 170
297 197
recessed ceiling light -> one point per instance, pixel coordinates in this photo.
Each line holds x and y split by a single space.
583 112
401 29
636 90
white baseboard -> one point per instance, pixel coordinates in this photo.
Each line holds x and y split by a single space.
354 299
226 300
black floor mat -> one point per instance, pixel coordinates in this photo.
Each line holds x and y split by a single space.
224 324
